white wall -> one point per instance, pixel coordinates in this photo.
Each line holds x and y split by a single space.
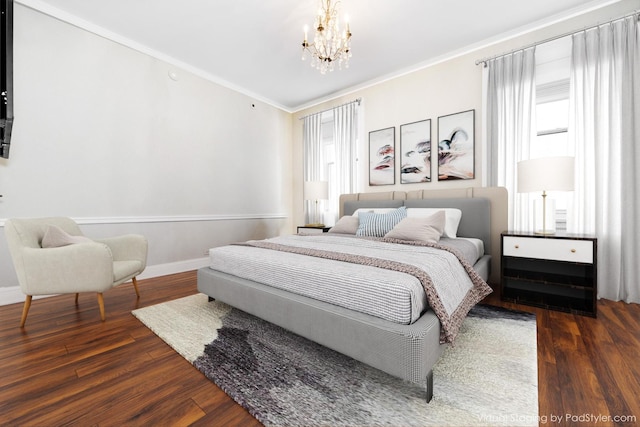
448 87
103 134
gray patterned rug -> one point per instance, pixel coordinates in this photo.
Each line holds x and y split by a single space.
488 378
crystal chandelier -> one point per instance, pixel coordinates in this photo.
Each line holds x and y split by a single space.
330 46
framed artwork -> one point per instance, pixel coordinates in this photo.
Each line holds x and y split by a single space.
456 149
415 152
382 147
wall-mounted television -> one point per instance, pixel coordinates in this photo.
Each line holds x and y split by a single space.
6 76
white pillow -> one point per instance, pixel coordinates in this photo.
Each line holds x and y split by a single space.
55 237
453 218
358 211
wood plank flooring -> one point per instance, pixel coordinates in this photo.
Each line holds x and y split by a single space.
69 368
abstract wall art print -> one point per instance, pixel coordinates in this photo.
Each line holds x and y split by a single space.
382 147
415 152
456 146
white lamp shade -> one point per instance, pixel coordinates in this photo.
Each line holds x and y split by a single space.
546 174
316 190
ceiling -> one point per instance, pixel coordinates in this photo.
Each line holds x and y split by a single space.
254 46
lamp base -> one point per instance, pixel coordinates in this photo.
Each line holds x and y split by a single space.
545 232
316 225
544 216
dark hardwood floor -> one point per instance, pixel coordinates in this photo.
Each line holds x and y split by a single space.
66 367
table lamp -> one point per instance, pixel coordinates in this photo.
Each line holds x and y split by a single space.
546 174
316 191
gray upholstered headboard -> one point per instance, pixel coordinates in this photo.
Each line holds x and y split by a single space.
475 221
484 212
350 206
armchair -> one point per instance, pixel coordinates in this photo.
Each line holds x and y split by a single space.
76 265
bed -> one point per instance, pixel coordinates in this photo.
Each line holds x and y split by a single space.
406 347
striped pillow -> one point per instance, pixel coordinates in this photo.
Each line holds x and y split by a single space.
377 225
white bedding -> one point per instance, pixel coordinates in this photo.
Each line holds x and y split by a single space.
472 252
477 244
390 295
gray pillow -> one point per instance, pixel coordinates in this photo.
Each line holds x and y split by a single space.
346 225
422 229
55 237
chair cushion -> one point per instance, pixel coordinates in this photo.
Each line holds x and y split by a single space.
123 270
55 237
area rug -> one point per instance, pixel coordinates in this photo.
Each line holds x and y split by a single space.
489 377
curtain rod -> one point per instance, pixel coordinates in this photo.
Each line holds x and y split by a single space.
550 39
337 106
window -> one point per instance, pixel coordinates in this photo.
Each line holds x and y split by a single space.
553 66
552 124
330 150
330 208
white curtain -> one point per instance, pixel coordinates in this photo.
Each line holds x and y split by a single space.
604 132
313 157
510 127
338 167
345 134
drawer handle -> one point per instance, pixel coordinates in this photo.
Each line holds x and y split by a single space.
517 246
573 251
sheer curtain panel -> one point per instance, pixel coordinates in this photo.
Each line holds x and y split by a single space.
332 156
345 132
604 132
313 157
510 118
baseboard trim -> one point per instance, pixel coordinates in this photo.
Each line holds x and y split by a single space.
173 267
13 294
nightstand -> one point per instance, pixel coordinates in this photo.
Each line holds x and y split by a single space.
557 272
312 230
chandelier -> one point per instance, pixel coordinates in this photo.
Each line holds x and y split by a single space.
330 46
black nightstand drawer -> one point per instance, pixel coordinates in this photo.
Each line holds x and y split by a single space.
556 272
312 230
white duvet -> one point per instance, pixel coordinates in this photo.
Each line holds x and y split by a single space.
391 295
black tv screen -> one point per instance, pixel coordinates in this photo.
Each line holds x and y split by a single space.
6 76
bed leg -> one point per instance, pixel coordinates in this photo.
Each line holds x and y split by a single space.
429 386
211 299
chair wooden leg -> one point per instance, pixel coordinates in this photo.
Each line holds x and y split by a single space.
135 286
77 295
101 305
25 311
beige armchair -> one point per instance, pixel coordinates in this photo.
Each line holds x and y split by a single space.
70 262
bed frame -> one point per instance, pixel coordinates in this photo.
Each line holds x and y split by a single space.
405 351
